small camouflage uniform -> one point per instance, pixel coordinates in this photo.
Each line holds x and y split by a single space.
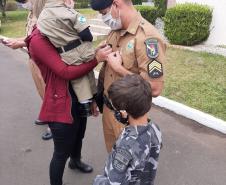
134 157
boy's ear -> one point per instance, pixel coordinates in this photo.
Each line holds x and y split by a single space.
124 113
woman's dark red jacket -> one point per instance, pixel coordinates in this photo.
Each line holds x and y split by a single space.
56 105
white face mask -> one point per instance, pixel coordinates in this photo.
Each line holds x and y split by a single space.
114 24
28 5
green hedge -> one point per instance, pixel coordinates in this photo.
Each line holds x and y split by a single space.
11 6
137 2
148 12
188 24
161 6
81 4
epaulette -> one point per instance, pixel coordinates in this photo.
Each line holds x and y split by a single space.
146 27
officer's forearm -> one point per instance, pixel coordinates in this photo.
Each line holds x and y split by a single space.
123 71
156 87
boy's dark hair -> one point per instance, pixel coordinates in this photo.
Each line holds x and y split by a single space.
131 93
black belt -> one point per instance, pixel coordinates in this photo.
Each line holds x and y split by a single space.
70 46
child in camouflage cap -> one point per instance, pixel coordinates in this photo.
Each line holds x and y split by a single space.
68 31
134 157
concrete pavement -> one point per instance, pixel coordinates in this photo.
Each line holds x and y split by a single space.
191 155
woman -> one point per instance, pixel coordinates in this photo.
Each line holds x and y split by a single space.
34 7
59 107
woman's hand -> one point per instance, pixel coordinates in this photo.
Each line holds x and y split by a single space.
94 109
14 43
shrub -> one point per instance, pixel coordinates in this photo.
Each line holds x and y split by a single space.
161 6
188 24
81 4
11 6
148 12
137 2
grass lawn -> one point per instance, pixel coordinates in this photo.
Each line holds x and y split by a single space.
89 13
195 79
222 46
14 24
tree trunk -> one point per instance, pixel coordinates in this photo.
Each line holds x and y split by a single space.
3 5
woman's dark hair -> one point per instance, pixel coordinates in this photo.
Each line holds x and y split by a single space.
131 93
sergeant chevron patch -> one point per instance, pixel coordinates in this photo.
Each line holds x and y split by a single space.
155 69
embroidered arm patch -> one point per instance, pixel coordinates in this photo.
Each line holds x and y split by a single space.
155 69
152 48
121 159
82 19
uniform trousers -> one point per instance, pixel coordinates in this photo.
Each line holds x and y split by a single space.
111 127
67 140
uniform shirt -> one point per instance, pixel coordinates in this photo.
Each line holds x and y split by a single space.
60 23
133 160
135 51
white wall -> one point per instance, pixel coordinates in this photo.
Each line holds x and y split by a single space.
218 26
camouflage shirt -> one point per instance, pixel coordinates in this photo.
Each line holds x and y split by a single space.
134 157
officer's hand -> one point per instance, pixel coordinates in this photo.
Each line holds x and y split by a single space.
102 53
114 60
94 109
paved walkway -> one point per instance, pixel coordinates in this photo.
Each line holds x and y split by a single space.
191 155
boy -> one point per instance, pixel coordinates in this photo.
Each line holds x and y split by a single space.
68 32
134 156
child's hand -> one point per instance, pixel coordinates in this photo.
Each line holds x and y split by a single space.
94 109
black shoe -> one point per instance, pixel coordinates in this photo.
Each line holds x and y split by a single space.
84 109
47 135
78 164
39 122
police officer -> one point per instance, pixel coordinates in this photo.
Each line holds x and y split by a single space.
137 48
34 8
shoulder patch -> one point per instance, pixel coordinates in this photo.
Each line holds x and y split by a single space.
155 69
81 19
121 159
152 48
